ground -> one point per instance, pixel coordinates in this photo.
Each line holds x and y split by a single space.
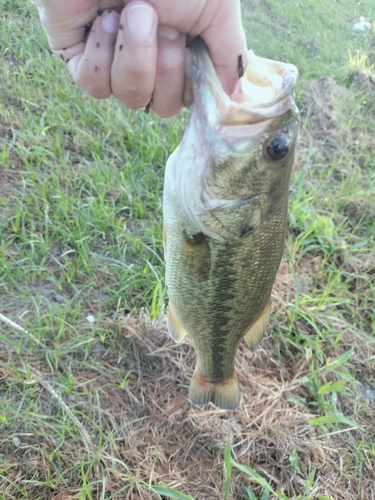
94 402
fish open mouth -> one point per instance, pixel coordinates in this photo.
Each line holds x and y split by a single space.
264 82
258 84
264 92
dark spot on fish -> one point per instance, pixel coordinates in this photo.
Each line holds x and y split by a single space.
240 66
67 61
96 69
109 11
148 107
86 32
196 255
65 48
120 48
97 45
121 27
62 57
246 231
278 148
100 11
193 238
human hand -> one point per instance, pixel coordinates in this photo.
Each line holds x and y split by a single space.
138 52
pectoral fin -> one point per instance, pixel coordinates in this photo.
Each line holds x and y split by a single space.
175 329
196 258
255 333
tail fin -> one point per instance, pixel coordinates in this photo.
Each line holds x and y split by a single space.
225 395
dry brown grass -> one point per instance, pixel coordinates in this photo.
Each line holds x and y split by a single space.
159 437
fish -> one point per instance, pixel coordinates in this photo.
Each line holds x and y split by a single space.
225 204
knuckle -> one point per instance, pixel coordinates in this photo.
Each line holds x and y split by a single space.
97 89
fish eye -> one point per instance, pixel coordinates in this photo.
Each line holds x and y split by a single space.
278 148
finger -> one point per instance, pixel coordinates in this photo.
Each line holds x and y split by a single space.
134 66
91 70
218 22
65 24
226 48
167 99
67 54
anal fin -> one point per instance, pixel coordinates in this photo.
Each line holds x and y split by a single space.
175 329
224 395
255 333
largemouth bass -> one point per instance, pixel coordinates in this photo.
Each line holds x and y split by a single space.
225 211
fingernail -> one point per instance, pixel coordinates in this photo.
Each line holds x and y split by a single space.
110 21
168 32
140 20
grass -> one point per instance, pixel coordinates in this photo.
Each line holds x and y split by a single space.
81 248
313 35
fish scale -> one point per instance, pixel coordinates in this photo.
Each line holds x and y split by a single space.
225 210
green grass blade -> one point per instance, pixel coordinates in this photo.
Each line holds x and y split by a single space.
254 475
265 495
332 386
170 493
250 494
227 470
336 419
309 481
342 359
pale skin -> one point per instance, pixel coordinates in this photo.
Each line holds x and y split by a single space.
136 50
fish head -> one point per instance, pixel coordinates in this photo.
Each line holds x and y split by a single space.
239 148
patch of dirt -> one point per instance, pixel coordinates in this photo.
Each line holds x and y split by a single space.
327 129
320 123
284 288
9 179
364 81
6 132
318 103
10 99
158 437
